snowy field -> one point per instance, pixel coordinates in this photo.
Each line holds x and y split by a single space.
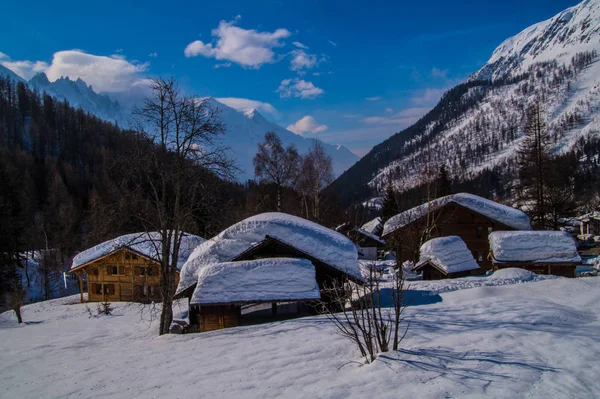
536 339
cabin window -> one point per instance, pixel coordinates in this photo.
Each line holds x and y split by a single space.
97 288
121 270
150 271
109 289
479 231
133 256
127 256
142 271
111 270
95 271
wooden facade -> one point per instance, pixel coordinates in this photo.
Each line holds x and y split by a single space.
432 272
449 220
563 269
123 275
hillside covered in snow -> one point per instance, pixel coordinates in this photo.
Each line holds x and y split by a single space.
478 125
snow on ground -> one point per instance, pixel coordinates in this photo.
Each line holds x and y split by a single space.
539 339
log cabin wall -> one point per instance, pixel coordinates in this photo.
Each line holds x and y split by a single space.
124 276
219 316
451 220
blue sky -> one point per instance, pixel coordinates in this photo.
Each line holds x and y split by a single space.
351 73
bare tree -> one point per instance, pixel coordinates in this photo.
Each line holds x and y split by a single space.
275 164
316 174
369 315
186 131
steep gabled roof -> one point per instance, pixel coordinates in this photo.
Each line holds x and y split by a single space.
449 254
502 214
319 242
145 244
252 281
533 246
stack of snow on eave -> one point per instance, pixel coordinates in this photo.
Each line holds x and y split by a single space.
254 281
145 243
533 246
374 226
319 242
449 254
503 214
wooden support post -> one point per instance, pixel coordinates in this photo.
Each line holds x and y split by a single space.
80 278
274 308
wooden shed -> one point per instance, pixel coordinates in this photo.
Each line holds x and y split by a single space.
223 288
445 257
467 216
541 252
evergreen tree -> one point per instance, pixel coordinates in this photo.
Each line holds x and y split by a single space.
390 205
443 183
533 157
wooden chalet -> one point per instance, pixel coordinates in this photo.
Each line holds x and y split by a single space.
470 217
369 244
541 252
125 269
445 257
332 255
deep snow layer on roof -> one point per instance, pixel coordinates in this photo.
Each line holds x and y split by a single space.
273 279
370 235
374 226
322 243
506 215
533 246
145 243
448 253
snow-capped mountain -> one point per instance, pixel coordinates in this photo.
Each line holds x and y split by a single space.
5 72
478 125
80 95
246 128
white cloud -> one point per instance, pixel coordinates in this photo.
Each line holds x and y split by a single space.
222 65
25 69
104 74
298 88
439 73
373 98
403 118
428 97
389 110
153 55
242 104
307 124
246 47
317 73
332 43
300 45
300 60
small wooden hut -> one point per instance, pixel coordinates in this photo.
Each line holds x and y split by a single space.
445 257
541 252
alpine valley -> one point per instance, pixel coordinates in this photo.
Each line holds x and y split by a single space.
476 128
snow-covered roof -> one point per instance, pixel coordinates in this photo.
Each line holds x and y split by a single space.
450 254
147 244
506 215
370 235
373 227
321 243
533 246
262 280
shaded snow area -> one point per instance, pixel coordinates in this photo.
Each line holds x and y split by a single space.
534 246
148 244
540 339
311 238
449 254
256 281
506 215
